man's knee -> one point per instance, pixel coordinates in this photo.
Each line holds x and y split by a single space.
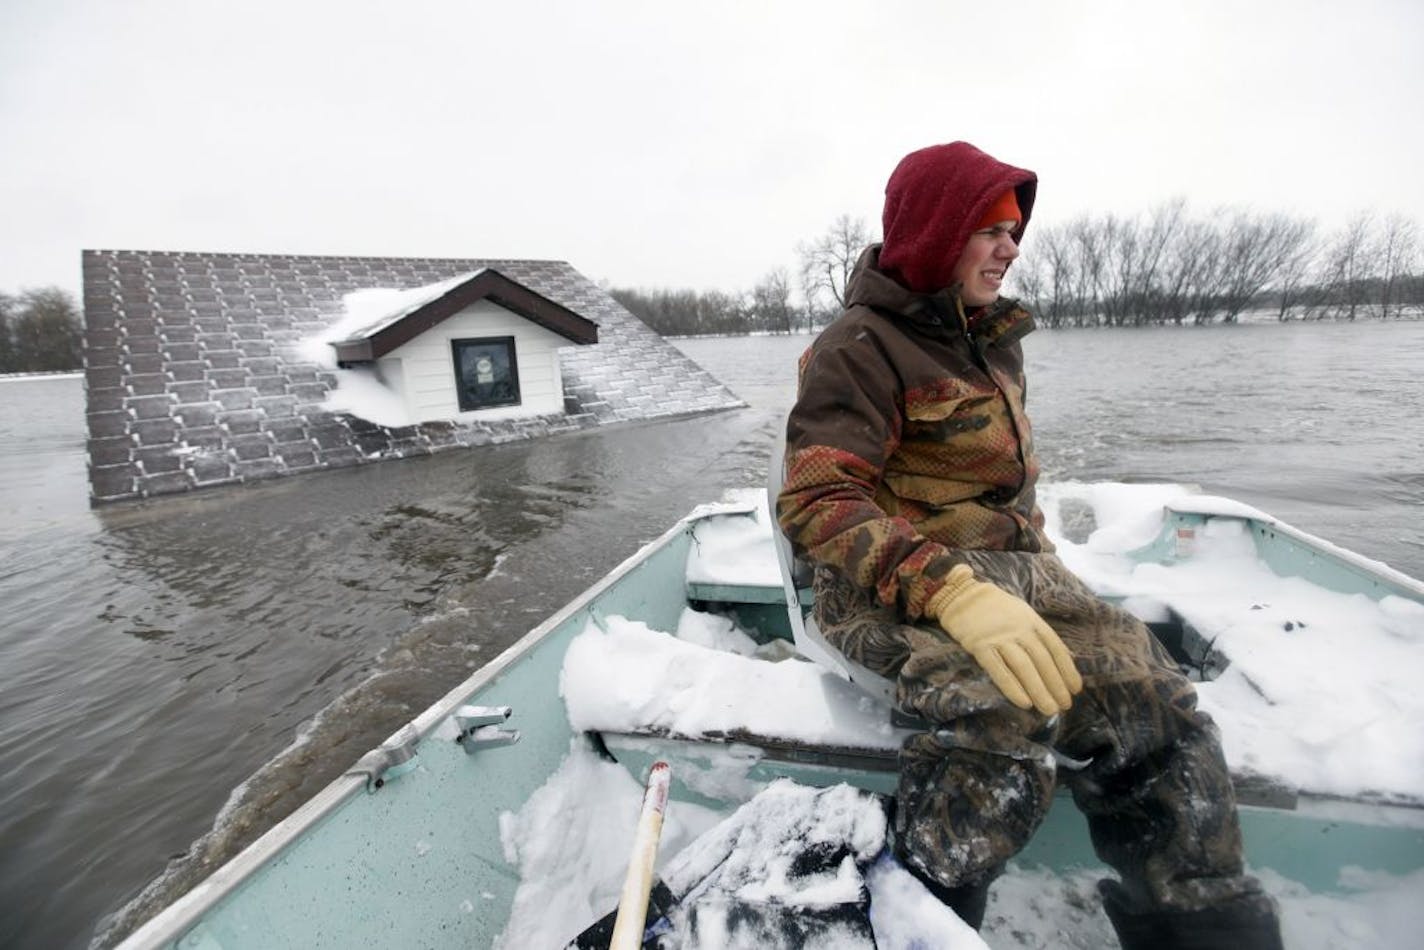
963 812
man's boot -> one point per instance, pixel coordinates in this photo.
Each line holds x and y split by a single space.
1247 923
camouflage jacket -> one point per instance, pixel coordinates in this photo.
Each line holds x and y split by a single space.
909 442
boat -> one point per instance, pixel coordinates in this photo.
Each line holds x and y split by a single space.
426 841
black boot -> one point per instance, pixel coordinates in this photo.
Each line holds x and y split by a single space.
1246 923
969 901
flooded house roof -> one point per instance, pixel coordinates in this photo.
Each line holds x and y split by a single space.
196 373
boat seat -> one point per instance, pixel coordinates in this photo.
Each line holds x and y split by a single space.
795 579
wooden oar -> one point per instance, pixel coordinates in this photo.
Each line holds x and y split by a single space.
633 904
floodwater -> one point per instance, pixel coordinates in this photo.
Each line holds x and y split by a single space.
220 657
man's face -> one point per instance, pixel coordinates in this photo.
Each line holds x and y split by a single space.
984 262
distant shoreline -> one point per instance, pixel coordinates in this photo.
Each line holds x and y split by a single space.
1253 318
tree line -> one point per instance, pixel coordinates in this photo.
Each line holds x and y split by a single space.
774 305
40 331
1167 266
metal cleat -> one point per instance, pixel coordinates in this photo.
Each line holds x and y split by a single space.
479 728
388 761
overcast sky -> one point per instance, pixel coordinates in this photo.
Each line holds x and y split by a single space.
668 143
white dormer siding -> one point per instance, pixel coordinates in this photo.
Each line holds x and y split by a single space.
423 369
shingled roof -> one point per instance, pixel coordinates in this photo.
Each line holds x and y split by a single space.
193 377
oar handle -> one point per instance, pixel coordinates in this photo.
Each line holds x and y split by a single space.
638 884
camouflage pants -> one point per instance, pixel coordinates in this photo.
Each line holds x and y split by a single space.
1156 791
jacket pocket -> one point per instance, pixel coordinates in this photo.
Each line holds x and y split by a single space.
950 449
951 410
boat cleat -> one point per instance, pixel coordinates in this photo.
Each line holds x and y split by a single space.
479 728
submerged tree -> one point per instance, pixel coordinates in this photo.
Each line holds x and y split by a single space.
1171 267
1347 266
771 307
1257 249
1398 255
1292 281
7 346
41 331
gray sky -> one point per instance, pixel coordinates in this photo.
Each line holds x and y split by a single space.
668 143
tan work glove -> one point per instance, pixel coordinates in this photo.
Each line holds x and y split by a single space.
1019 651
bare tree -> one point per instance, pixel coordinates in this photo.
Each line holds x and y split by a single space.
1255 249
1163 224
1347 265
1294 267
1398 256
7 344
1122 257
1054 248
1188 271
771 303
1027 282
1089 245
827 262
1132 254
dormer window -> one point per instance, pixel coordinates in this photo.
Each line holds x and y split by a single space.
486 373
476 346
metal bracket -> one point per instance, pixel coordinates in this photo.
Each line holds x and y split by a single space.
391 760
479 728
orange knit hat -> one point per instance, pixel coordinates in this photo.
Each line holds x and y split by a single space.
1004 208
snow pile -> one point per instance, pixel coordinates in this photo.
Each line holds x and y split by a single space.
1375 910
626 677
735 550
1322 688
714 632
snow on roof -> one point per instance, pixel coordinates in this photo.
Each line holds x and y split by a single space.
368 312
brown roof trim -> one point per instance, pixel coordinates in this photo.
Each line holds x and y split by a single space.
488 284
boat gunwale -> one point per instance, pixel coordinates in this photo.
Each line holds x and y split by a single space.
170 925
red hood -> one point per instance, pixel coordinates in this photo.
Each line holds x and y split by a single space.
933 200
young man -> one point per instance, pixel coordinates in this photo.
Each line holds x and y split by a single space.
910 485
